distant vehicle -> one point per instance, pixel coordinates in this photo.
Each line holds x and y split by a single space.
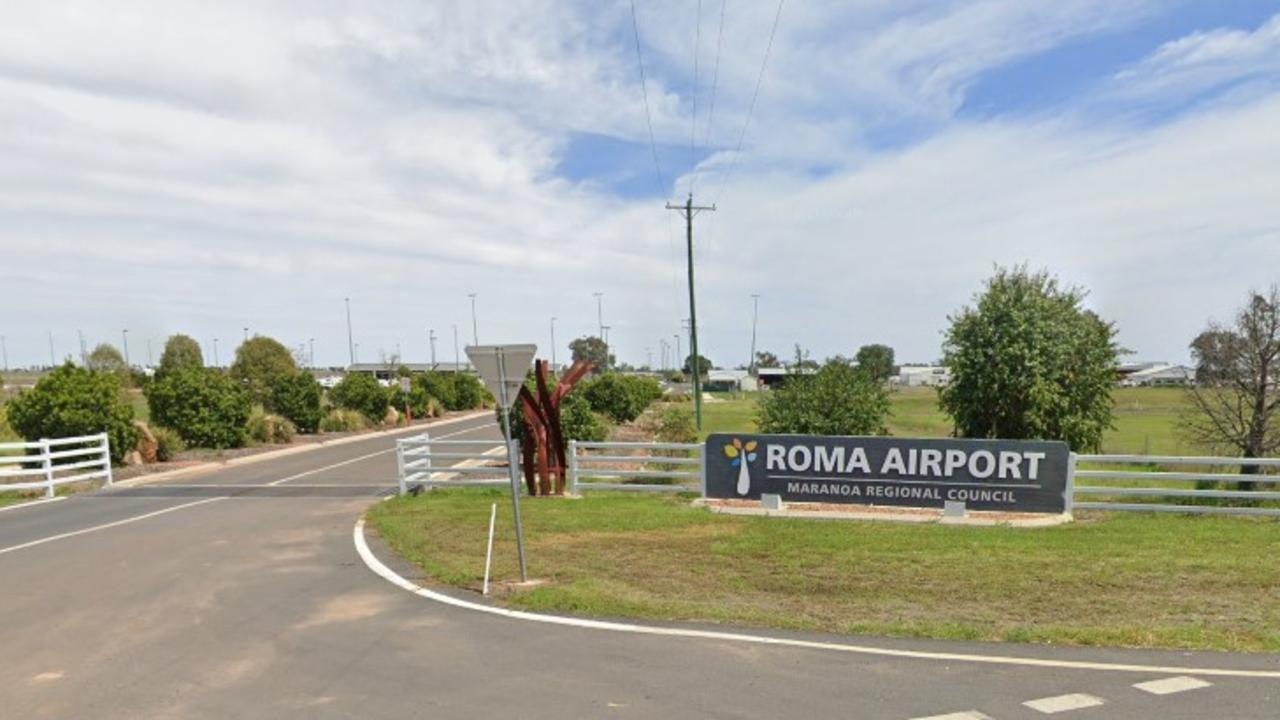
329 381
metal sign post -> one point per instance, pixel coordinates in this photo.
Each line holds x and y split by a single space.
496 365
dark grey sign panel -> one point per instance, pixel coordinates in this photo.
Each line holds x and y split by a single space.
1005 475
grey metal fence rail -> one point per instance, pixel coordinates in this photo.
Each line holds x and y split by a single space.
685 466
480 463
59 461
1173 484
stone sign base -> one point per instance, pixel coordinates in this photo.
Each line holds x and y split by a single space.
845 511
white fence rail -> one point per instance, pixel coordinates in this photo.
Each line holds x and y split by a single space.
682 467
1179 488
55 462
479 462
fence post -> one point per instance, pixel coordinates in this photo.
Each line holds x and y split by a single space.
702 467
48 467
106 457
573 467
1069 502
400 466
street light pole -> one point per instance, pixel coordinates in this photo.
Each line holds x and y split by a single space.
553 343
125 334
311 352
600 312
457 359
475 334
604 332
679 363
53 361
246 334
755 312
216 362
149 363
351 343
431 338
4 350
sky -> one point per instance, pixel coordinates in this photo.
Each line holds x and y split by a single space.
204 168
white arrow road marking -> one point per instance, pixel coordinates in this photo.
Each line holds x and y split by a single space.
1064 703
1168 686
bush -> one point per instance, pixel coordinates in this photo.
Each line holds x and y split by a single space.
837 400
362 393
579 422
674 424
434 384
205 407
622 398
468 392
72 401
298 398
271 429
339 420
262 363
168 443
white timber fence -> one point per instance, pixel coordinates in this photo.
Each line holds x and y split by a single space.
1143 483
427 462
45 464
668 467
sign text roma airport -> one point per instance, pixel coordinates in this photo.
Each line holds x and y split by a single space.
1005 475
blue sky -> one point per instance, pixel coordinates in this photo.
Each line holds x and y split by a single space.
195 167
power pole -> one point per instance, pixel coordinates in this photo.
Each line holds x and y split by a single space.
600 313
216 362
431 338
125 335
149 363
84 352
457 359
475 334
553 343
53 361
679 360
311 352
351 343
604 330
689 210
755 312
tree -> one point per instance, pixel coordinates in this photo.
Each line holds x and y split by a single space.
1236 402
261 363
106 359
593 350
205 407
766 359
704 366
839 399
180 351
361 392
876 361
623 398
298 398
72 402
1030 362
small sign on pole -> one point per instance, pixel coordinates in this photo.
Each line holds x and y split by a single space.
502 368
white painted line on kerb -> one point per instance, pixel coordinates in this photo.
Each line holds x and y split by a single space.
1064 703
175 508
969 715
32 503
1169 686
377 566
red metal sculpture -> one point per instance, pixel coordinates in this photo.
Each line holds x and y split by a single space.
543 451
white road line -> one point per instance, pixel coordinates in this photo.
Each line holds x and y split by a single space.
175 508
1168 686
968 715
32 503
377 566
1064 703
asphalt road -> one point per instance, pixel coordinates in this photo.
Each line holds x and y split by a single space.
240 594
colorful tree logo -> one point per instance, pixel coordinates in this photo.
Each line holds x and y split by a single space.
742 454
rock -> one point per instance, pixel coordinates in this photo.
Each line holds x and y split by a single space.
133 457
148 447
392 419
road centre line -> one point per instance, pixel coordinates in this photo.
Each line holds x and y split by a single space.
379 568
1168 686
1064 703
175 508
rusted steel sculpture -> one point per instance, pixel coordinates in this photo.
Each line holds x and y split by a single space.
543 451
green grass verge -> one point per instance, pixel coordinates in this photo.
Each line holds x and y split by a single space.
1114 579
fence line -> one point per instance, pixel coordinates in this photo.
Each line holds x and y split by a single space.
676 463
51 474
1173 493
415 458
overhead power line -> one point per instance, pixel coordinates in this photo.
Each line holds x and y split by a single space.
693 121
755 94
715 78
644 91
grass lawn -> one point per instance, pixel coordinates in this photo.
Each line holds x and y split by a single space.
1113 579
1146 418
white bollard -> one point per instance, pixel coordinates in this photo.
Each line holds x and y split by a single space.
48 467
488 553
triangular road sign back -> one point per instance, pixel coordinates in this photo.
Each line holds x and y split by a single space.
500 365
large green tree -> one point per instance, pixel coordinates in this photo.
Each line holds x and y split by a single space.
204 406
876 360
593 350
180 351
704 366
838 399
262 363
1029 361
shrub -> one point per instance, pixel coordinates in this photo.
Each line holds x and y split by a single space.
267 428
361 392
72 401
468 392
621 398
674 423
837 400
437 385
579 422
168 443
261 363
298 398
339 420
205 407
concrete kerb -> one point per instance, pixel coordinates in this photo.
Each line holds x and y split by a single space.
283 452
385 572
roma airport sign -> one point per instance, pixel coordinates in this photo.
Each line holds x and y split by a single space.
1002 475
